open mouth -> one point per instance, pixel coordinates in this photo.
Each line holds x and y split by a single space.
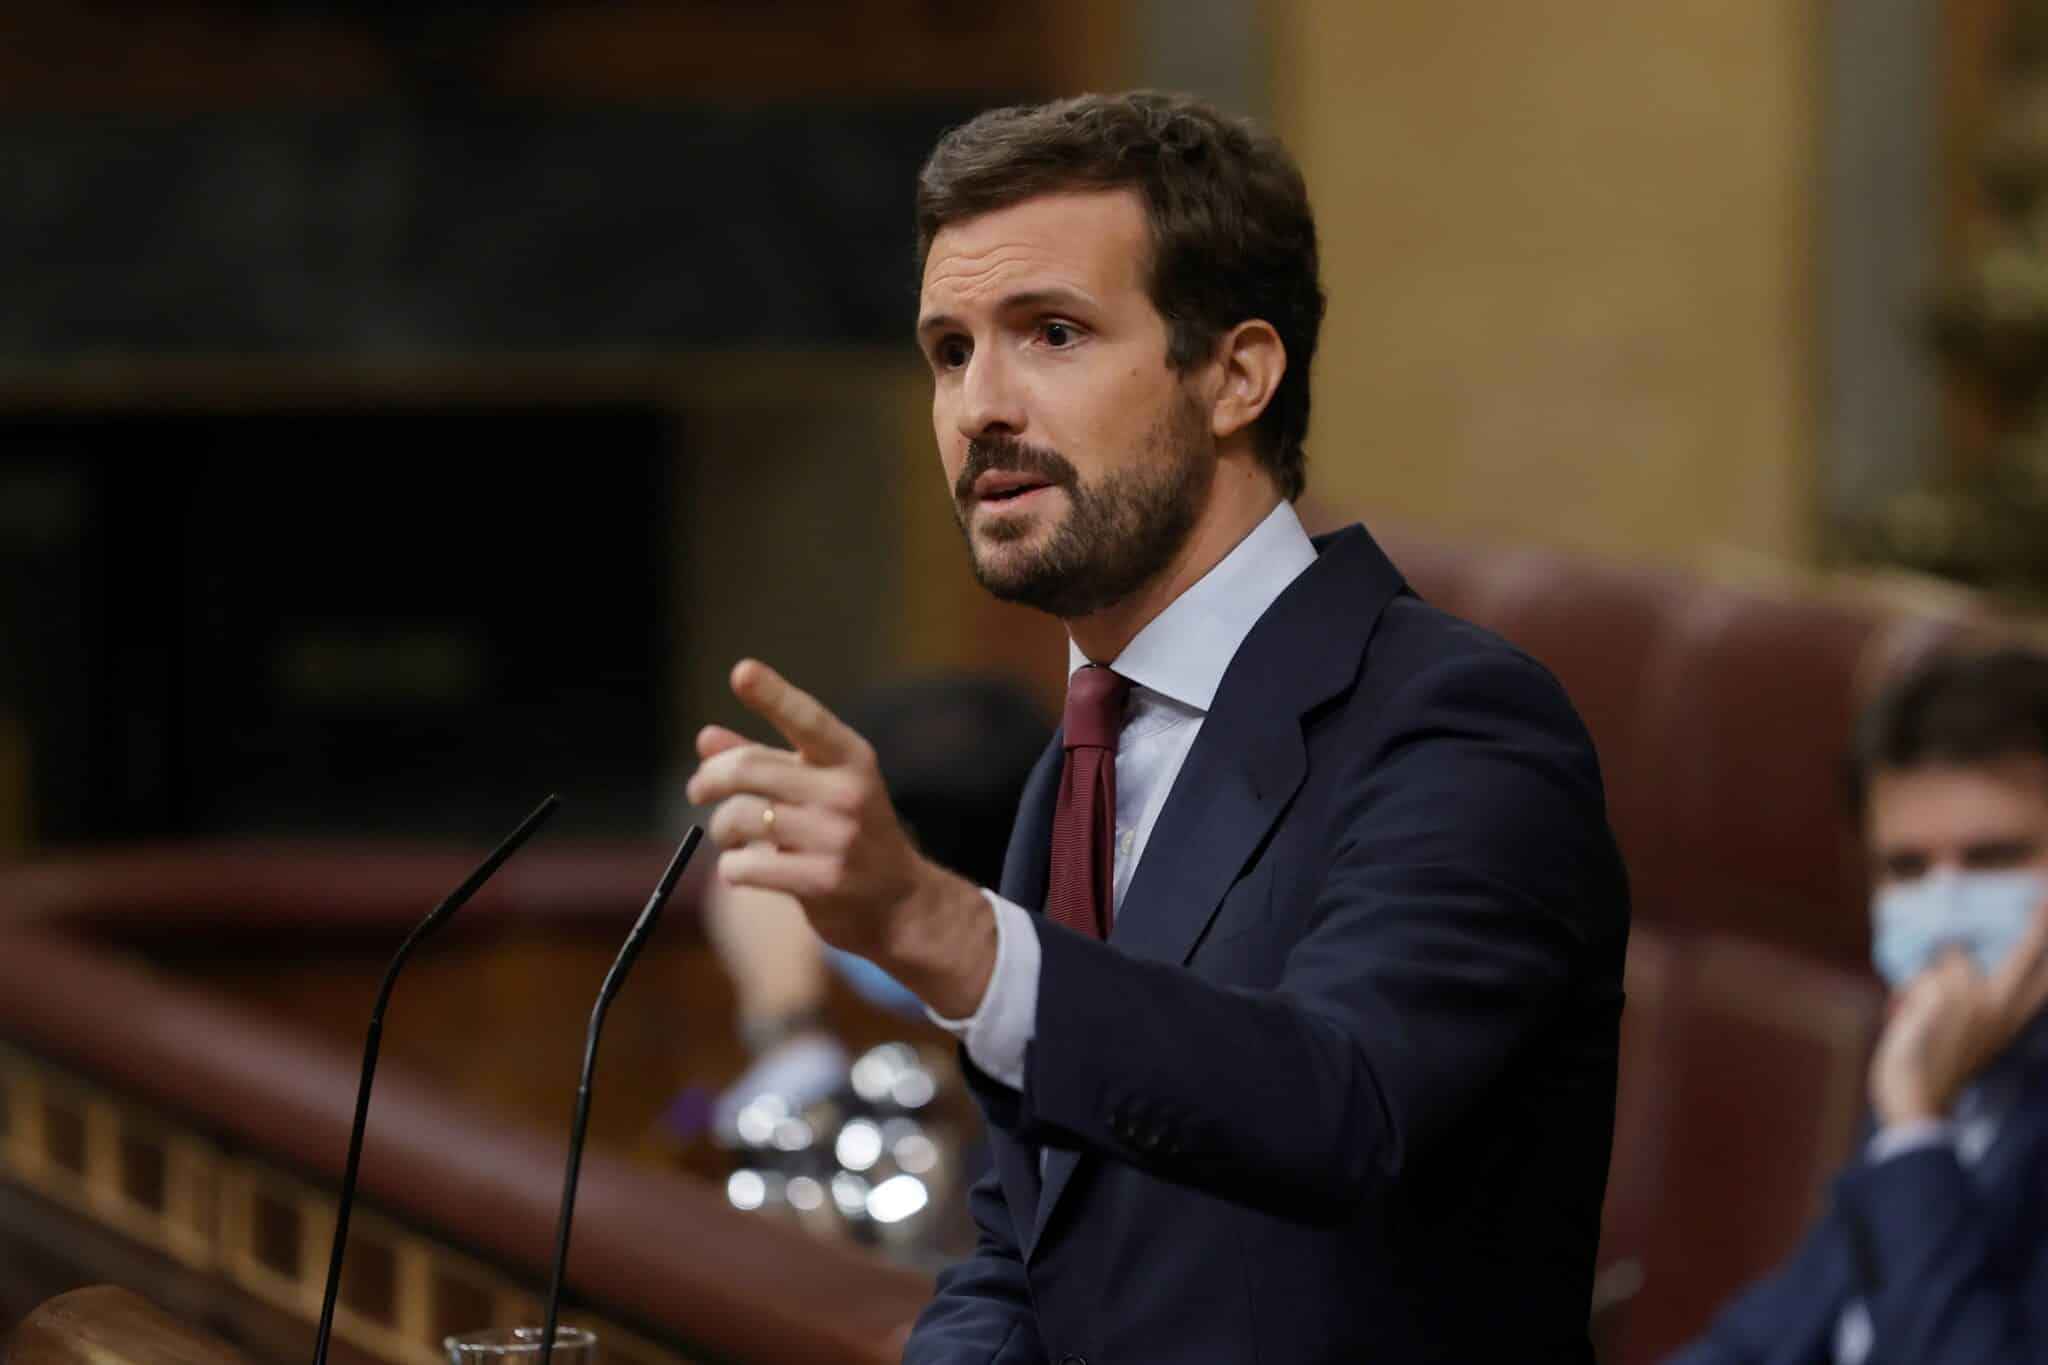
1013 495
1000 490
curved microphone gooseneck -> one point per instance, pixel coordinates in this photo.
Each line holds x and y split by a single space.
613 979
435 919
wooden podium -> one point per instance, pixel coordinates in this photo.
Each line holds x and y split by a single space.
107 1325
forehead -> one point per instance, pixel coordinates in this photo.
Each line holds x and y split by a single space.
1093 240
1954 804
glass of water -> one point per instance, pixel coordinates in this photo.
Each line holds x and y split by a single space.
521 1346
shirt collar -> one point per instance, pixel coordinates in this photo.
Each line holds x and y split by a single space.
1183 651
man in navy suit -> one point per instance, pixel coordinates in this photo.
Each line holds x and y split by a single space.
1934 1248
1295 1016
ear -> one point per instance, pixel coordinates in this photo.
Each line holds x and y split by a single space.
1250 359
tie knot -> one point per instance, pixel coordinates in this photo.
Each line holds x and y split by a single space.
1095 707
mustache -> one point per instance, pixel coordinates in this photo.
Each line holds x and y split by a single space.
1011 456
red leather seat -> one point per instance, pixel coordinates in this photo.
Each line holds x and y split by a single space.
1748 734
1742 1085
1723 718
1605 630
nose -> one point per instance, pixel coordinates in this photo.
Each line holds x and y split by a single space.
989 402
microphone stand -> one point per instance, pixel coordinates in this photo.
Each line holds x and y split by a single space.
436 917
612 981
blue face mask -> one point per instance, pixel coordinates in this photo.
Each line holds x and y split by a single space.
1983 913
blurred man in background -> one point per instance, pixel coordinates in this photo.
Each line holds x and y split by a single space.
1935 1248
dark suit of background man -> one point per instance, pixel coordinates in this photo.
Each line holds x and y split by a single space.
1934 1247
1339 1084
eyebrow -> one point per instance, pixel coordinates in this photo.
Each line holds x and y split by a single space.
2008 846
1053 296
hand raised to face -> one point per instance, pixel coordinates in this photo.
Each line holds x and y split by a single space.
1950 1022
814 821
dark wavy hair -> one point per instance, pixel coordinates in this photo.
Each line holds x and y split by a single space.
1232 235
1960 706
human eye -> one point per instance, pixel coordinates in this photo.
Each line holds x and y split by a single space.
1058 333
950 352
1902 867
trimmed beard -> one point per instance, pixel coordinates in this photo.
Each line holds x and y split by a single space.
1117 535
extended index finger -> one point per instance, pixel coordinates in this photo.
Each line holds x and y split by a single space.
811 729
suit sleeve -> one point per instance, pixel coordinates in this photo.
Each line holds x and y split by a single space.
981 1311
1788 1315
1723 1345
1470 864
1939 1295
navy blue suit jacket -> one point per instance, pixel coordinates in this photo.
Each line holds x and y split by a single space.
1952 1265
1340 1085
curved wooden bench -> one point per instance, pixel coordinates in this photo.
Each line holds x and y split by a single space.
213 1138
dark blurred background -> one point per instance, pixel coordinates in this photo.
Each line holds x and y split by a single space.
363 363
403 403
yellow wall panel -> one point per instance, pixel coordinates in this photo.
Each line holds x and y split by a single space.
1568 247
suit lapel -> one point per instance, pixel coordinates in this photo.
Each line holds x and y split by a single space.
1027 862
1250 757
1237 779
1222 806
1247 763
1026 868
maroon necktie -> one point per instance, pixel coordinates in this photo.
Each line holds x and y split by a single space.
1084 821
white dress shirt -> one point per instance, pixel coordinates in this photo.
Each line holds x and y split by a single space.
1175 664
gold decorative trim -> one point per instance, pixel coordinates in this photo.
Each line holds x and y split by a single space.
210 1219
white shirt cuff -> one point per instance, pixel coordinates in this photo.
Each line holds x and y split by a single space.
1007 1018
1913 1136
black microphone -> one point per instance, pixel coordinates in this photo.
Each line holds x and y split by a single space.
613 979
435 919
